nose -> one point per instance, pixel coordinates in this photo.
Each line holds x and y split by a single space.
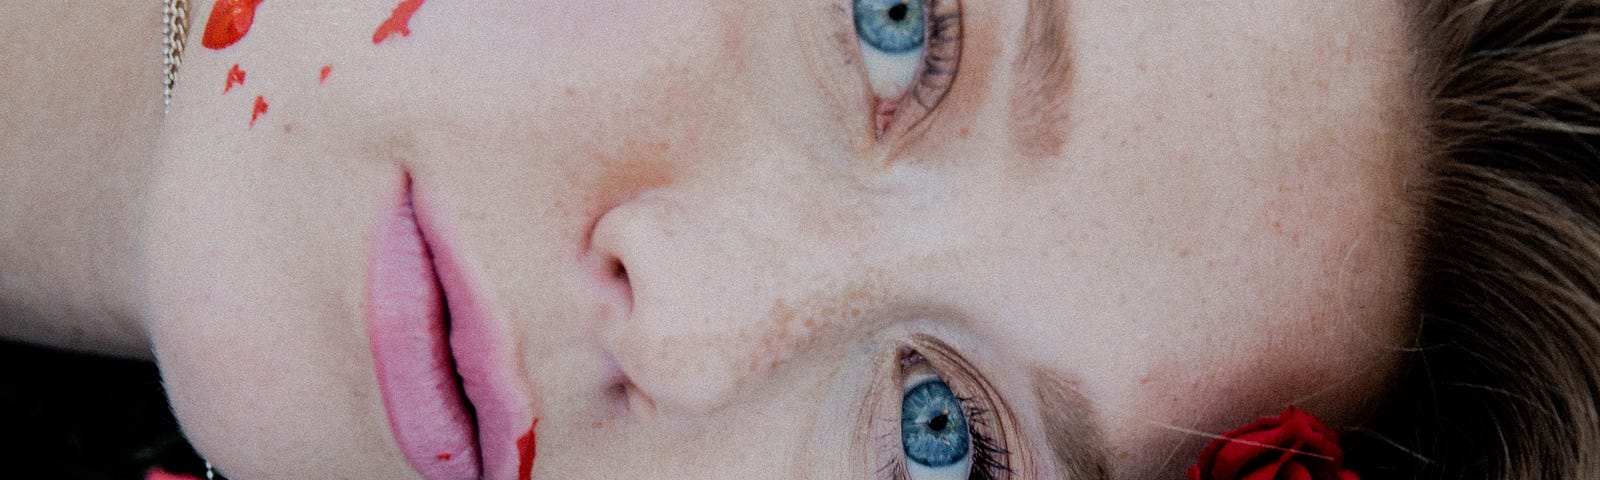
673 342
715 281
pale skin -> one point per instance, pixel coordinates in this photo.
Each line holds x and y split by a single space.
1211 226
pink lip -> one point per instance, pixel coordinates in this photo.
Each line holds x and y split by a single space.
432 359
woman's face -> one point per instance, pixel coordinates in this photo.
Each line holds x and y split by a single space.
698 239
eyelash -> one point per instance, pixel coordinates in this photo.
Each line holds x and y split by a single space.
939 64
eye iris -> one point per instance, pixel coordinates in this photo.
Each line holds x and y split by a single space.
891 26
933 428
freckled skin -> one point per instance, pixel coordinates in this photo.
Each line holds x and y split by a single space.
1213 236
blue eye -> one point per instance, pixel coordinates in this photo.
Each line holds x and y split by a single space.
891 26
933 427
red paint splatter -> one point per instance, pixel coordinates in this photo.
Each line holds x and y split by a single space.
261 109
235 78
323 77
443 457
525 450
399 21
230 20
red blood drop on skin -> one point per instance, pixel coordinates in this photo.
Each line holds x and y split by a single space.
235 78
230 21
261 109
443 457
525 449
323 78
399 21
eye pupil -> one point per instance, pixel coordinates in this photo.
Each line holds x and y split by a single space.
891 26
938 423
898 12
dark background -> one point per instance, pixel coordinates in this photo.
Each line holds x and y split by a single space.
75 416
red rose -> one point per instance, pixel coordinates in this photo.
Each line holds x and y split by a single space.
1291 446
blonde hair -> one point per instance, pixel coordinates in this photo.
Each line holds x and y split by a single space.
1505 379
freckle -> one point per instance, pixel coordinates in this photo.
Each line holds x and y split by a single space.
569 91
1185 253
965 132
1143 67
1211 95
288 128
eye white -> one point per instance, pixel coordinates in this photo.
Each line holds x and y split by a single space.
956 471
890 74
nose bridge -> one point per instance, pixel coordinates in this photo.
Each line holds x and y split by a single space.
724 291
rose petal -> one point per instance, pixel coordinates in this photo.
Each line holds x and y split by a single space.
1293 446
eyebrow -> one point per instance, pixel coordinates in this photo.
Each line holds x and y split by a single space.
1044 68
1070 429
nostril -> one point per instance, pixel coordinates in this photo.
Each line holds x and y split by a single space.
616 279
619 271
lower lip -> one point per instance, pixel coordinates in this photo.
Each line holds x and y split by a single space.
407 325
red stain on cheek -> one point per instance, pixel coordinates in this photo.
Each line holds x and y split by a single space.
258 111
323 76
443 457
235 78
230 21
399 21
525 450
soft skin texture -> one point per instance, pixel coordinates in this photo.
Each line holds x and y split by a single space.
78 127
699 260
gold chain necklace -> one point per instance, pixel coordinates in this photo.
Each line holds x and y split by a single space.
174 30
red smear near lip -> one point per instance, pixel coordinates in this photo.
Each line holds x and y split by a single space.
258 111
398 22
323 77
235 78
525 450
230 21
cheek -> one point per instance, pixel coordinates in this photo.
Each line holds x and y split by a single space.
1323 333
